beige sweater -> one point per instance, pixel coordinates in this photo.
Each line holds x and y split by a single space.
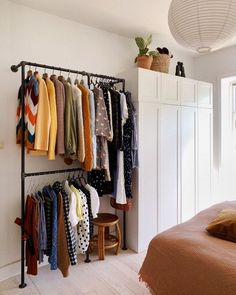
77 99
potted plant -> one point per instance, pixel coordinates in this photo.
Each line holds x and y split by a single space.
161 60
143 60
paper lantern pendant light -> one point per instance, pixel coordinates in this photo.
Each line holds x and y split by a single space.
202 25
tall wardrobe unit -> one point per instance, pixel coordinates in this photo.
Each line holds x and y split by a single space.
173 181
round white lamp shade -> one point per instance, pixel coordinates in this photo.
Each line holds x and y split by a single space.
202 25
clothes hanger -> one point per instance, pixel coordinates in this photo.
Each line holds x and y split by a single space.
76 79
35 71
45 75
29 73
68 78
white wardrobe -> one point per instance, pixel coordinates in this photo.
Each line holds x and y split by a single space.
173 181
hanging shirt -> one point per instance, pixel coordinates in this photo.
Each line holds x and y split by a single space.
42 227
95 202
70 236
48 216
102 131
69 119
53 125
83 227
74 219
130 146
60 107
43 120
120 180
52 219
92 125
79 205
53 256
77 99
31 229
63 260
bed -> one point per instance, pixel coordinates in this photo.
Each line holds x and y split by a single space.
186 260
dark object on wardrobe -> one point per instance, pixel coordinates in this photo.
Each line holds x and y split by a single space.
179 71
24 174
182 71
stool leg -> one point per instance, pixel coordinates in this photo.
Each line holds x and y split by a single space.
107 232
119 237
101 245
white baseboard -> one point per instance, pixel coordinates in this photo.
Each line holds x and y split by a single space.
9 270
13 269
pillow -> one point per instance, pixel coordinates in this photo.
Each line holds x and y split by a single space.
224 225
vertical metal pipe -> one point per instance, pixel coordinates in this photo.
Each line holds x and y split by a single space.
124 231
22 97
87 259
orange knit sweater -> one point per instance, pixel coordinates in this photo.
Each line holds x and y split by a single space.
88 160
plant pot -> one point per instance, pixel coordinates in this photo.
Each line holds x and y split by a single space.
161 63
144 61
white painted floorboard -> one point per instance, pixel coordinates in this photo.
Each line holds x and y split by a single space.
116 275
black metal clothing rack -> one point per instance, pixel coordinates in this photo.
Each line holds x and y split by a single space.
25 174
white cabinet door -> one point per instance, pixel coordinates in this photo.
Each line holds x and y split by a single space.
168 166
204 158
188 92
204 92
147 202
169 89
148 85
188 160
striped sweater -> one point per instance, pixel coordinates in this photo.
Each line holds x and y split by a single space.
31 106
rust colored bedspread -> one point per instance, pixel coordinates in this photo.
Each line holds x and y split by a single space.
186 260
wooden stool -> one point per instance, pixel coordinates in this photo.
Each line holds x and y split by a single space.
103 240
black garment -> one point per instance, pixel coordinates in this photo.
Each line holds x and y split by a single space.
128 130
48 216
96 178
116 119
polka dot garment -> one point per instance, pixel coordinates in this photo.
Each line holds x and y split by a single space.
83 227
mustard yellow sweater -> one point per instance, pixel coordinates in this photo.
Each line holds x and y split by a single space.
43 120
53 113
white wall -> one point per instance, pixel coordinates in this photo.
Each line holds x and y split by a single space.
26 34
212 67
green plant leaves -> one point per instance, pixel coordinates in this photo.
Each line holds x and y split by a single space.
140 43
149 40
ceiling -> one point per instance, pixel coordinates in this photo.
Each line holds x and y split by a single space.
124 17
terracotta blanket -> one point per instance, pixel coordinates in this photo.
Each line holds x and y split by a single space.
186 260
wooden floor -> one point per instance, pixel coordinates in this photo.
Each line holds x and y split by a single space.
114 275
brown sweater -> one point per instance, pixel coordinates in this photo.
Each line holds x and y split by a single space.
60 102
88 160
63 260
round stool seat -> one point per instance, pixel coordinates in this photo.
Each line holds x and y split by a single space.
105 219
103 240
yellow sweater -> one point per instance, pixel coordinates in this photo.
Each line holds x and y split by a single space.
43 120
79 204
53 112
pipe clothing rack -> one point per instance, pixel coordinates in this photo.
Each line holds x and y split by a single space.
25 174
